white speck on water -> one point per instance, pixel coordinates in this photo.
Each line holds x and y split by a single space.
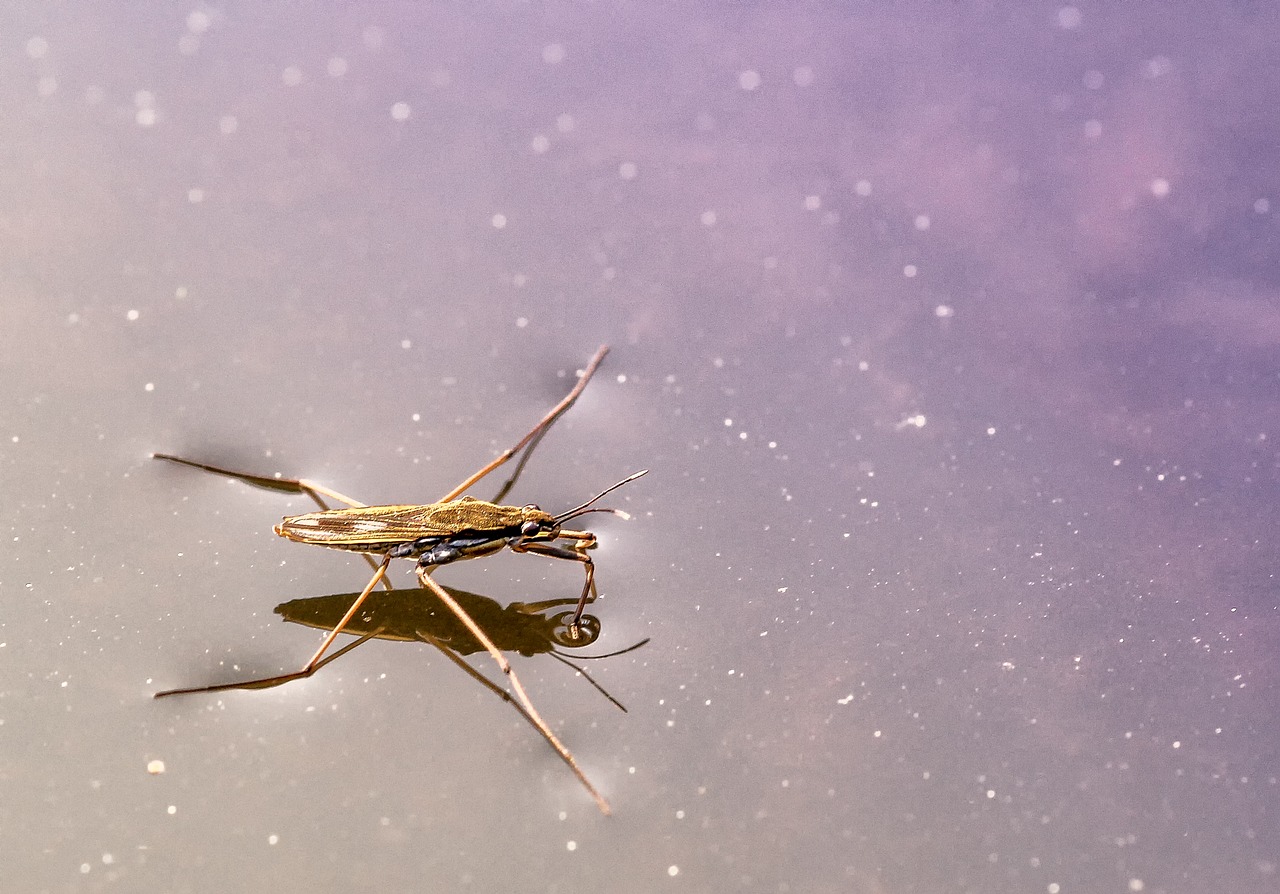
922 222
406 344
400 111
37 47
728 423
540 144
155 768
1157 67
628 170
198 21
910 270
1069 18
108 859
708 218
150 386
131 315
862 188
145 117
673 870
844 701
1160 187
499 221
171 809
195 195
522 322
1135 884
943 311
571 846
749 80
812 203
622 378
273 840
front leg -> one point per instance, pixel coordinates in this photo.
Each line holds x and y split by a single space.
576 553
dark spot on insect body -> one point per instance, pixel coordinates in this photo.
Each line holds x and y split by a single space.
413 548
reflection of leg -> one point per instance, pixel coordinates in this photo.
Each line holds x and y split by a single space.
590 679
311 666
534 434
537 608
521 695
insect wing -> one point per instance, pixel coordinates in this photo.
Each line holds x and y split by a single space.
374 526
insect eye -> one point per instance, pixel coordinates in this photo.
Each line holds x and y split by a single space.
530 528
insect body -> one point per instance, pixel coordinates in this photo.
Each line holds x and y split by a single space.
440 533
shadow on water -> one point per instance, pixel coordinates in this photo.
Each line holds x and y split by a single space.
415 614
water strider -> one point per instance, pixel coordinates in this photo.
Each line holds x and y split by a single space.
452 529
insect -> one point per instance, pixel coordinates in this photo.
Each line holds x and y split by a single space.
452 529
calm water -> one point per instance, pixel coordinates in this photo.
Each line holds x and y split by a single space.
951 339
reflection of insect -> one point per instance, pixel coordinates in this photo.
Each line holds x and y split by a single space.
455 528
415 615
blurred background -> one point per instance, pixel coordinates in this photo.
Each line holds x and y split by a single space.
949 333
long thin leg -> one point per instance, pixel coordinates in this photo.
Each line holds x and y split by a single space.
498 690
556 412
521 695
307 669
305 486
312 489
